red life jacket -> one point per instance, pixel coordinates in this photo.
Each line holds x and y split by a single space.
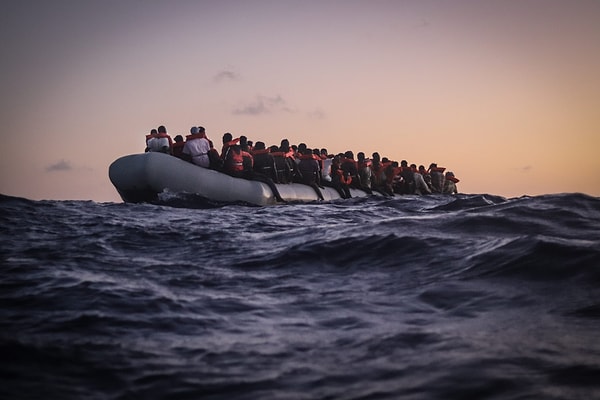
196 136
178 148
227 145
437 169
234 159
345 180
289 154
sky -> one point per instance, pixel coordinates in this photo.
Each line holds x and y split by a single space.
506 94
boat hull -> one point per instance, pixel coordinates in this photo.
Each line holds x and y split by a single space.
141 177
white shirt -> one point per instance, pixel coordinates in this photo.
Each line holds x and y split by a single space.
158 144
198 149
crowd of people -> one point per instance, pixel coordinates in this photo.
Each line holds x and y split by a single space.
285 163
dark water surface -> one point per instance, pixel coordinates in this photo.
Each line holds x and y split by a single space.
465 297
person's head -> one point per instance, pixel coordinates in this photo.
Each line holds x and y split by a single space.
259 146
360 156
324 152
243 142
385 160
227 137
274 148
306 151
194 130
376 157
153 131
404 163
301 148
432 165
422 169
162 129
285 145
178 139
349 154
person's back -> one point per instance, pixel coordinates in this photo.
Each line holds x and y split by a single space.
408 178
450 184
153 133
178 146
364 171
284 162
263 160
197 147
308 167
349 168
161 142
437 178
421 186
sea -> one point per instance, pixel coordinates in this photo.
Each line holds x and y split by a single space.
472 296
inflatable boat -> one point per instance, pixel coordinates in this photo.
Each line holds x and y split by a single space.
141 177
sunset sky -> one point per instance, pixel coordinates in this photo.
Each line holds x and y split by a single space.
506 94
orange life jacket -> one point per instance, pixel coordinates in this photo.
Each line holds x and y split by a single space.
234 160
196 136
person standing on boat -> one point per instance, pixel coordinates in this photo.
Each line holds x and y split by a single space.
197 147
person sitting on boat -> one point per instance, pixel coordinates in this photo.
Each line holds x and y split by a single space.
233 164
378 174
161 142
348 166
326 166
450 183
152 134
421 186
263 160
248 159
197 147
364 172
178 144
309 171
437 178
339 180
408 178
284 162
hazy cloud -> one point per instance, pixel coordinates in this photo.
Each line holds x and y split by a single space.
64 165
526 168
317 114
61 165
226 75
263 105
